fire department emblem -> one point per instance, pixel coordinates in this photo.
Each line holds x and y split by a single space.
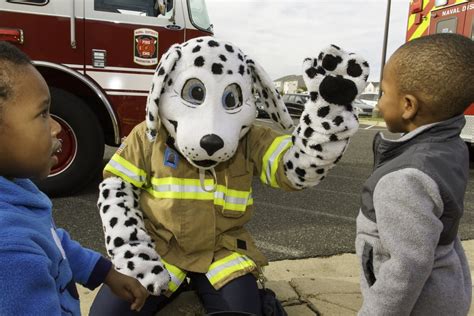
145 47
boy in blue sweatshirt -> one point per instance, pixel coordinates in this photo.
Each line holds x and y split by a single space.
39 263
412 260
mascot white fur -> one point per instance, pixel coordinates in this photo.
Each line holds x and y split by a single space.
178 192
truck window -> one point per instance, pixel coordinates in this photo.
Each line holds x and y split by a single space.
447 26
33 2
198 14
130 7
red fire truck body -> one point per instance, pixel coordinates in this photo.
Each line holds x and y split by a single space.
98 58
444 16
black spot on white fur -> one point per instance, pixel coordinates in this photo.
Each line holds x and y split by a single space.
241 70
308 132
134 235
300 172
311 72
131 222
105 208
229 48
120 194
144 256
338 120
217 69
113 221
330 62
354 69
199 61
157 270
118 242
213 44
317 147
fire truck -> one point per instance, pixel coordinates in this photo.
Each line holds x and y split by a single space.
98 58
444 16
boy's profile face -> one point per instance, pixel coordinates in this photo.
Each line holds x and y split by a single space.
391 103
28 140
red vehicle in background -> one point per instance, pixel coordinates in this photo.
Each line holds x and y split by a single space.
98 58
444 16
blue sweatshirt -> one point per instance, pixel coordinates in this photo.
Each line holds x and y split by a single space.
40 264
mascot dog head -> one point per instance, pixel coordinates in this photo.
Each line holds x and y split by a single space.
203 93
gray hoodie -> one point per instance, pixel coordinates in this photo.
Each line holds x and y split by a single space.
412 261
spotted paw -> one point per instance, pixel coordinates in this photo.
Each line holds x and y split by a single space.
335 76
143 263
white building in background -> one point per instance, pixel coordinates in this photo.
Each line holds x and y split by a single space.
372 87
278 85
290 84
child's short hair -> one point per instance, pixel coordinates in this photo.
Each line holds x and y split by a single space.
438 69
10 56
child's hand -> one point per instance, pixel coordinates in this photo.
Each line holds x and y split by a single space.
127 288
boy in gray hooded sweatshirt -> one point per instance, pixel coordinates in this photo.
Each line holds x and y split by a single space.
412 260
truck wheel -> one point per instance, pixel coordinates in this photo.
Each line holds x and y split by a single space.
82 145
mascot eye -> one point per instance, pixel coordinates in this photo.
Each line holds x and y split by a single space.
194 91
232 97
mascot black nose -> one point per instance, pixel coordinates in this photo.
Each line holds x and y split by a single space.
211 143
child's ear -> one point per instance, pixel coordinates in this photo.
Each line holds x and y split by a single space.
411 106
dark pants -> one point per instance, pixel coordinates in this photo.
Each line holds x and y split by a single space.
239 295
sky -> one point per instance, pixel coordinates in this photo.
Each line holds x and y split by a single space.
281 34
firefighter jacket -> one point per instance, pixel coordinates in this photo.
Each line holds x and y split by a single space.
193 228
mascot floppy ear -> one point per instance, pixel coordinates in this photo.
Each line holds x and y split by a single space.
272 101
160 80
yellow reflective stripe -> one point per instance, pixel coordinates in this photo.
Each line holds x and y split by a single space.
177 276
126 170
224 267
181 181
233 207
179 195
181 188
232 199
271 159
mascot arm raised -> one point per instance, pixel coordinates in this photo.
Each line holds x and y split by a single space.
128 244
334 79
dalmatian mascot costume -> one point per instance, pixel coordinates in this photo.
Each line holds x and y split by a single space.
177 193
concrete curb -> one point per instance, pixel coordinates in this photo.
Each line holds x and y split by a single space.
315 286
